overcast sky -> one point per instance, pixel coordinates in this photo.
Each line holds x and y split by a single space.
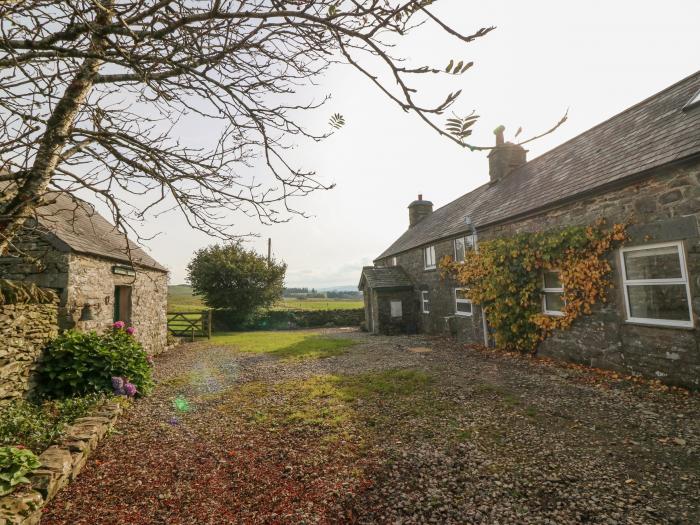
594 57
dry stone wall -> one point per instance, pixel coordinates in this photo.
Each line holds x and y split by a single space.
24 331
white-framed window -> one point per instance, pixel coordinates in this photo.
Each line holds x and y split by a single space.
393 261
429 257
425 302
463 305
552 293
655 283
463 245
396 309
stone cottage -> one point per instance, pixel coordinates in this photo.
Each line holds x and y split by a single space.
99 275
642 164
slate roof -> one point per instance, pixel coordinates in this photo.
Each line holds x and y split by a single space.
385 277
77 224
650 134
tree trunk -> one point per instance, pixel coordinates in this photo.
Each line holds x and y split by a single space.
32 187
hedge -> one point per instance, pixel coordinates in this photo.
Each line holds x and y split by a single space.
285 319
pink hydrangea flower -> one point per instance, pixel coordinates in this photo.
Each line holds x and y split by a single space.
130 330
130 389
119 325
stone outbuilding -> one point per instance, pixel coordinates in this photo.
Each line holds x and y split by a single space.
641 165
99 275
389 304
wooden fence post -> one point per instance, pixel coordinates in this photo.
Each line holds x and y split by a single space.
209 325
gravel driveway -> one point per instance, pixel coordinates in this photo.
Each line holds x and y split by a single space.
394 430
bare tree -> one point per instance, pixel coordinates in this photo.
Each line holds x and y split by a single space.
91 93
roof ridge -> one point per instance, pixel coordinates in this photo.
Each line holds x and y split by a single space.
652 133
616 115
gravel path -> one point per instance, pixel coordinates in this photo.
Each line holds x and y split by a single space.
396 430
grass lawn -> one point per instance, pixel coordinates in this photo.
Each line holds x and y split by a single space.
286 345
180 299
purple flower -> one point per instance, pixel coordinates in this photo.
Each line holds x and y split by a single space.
130 330
119 325
118 385
130 389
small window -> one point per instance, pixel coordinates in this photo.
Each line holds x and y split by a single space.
655 282
463 305
463 245
552 291
425 302
393 261
396 309
429 257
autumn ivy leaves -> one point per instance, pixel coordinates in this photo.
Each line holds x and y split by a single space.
505 277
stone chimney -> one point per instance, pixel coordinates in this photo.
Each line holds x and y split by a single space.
418 210
505 157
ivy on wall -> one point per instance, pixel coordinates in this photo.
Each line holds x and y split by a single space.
504 276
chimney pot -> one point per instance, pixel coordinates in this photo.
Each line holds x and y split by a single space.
499 135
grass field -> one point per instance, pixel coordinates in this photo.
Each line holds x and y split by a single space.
285 345
180 299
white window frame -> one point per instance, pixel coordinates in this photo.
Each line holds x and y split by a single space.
425 301
464 252
683 279
463 301
429 250
393 261
546 290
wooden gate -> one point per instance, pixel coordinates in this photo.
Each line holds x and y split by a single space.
190 324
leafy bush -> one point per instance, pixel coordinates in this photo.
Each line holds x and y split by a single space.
38 425
15 464
237 279
78 363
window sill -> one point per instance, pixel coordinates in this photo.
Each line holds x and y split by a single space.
431 269
665 326
463 315
553 314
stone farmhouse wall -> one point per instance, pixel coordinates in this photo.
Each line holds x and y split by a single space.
664 206
85 279
91 281
24 331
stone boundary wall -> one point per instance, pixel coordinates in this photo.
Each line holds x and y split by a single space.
24 331
60 464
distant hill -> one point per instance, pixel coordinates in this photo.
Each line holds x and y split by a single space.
344 288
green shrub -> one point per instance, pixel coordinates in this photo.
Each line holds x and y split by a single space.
15 464
78 363
38 425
